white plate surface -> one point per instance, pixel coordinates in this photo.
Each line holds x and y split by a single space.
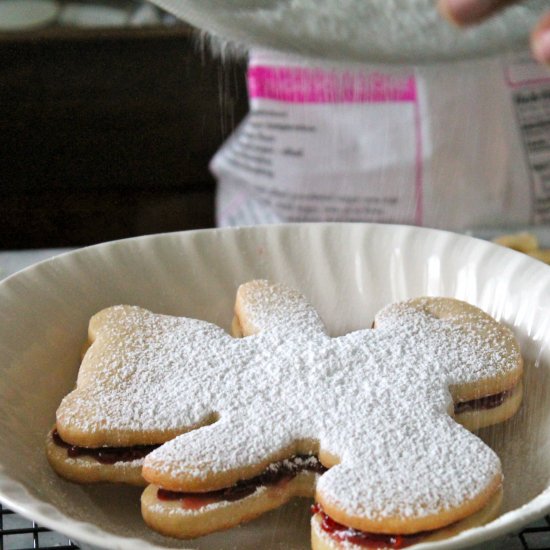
18 15
408 31
348 271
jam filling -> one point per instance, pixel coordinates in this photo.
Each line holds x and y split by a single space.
484 403
105 455
276 473
343 533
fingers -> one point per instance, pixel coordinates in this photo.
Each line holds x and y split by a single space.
540 40
469 12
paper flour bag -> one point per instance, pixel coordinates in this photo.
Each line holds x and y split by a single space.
453 146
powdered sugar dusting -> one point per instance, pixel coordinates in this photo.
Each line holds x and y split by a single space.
178 510
377 399
90 462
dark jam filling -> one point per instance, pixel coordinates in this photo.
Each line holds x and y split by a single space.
105 455
484 403
276 473
343 533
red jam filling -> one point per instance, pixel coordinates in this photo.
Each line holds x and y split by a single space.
276 473
483 403
105 455
343 533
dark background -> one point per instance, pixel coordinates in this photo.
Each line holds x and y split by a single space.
108 134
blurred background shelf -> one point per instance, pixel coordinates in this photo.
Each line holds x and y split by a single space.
107 132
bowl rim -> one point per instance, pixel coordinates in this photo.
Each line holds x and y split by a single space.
14 494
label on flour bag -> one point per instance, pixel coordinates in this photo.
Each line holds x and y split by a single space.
432 145
306 152
529 84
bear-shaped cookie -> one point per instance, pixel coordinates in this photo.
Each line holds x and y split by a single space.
367 422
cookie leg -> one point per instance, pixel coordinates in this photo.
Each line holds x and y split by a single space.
448 472
221 475
190 517
219 455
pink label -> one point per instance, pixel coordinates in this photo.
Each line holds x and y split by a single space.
312 85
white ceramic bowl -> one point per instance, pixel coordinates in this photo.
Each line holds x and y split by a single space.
348 271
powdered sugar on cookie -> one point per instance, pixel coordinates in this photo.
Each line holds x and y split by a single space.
376 402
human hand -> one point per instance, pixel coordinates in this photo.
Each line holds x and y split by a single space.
469 12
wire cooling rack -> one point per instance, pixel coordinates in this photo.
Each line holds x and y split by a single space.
17 533
537 536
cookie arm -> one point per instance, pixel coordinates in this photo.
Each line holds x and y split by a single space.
219 455
481 355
